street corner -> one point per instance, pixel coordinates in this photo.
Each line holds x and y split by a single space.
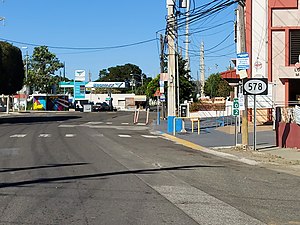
280 159
183 142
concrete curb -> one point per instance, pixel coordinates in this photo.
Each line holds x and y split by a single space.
209 151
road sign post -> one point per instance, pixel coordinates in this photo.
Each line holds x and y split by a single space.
235 113
255 86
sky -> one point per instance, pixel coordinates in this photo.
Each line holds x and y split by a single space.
64 24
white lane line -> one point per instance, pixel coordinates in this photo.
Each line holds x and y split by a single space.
124 135
18 135
70 135
45 135
141 124
94 123
66 126
125 123
109 123
149 136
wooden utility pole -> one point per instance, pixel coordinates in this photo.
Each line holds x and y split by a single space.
242 37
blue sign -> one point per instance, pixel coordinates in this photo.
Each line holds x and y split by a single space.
242 61
79 90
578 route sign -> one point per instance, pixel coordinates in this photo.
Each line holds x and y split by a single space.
255 86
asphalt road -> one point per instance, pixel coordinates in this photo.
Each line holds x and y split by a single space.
99 168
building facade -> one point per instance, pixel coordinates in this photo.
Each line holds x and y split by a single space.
273 43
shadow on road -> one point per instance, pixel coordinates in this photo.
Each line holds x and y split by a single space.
4 170
36 119
100 175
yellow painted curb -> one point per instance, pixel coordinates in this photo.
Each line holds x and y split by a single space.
184 142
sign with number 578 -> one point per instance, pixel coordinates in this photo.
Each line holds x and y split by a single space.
255 86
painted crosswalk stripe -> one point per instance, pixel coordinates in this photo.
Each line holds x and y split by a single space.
141 124
70 135
149 136
124 135
66 126
109 123
94 123
45 135
18 135
125 123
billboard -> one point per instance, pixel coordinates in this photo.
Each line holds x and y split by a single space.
79 75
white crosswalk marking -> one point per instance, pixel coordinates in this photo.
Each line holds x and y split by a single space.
125 123
124 135
70 135
149 136
94 123
66 126
109 123
141 124
18 135
45 135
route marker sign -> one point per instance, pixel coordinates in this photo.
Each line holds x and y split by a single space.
255 86
236 107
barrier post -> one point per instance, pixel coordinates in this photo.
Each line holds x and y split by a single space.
192 125
174 126
147 116
198 125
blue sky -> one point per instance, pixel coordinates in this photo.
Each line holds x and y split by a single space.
104 23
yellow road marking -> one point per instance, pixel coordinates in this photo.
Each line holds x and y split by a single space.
184 142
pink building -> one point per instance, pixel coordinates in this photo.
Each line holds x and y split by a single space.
273 42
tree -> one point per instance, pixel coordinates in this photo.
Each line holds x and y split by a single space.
11 69
42 67
152 86
215 86
126 73
186 86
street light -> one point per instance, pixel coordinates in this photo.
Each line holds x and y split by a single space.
26 74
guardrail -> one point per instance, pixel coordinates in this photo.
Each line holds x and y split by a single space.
193 119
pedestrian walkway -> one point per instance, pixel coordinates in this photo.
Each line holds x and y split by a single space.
220 141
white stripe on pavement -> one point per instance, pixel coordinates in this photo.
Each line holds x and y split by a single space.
45 135
149 136
124 135
70 135
18 135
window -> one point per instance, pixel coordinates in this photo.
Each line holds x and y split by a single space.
294 46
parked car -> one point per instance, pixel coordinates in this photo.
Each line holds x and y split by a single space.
101 106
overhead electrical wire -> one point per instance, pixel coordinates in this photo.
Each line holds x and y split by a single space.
82 48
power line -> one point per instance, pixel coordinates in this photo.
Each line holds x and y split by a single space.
82 48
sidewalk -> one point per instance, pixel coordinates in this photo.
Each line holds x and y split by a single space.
221 142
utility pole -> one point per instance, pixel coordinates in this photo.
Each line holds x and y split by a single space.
242 38
202 69
90 76
187 39
171 58
162 67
